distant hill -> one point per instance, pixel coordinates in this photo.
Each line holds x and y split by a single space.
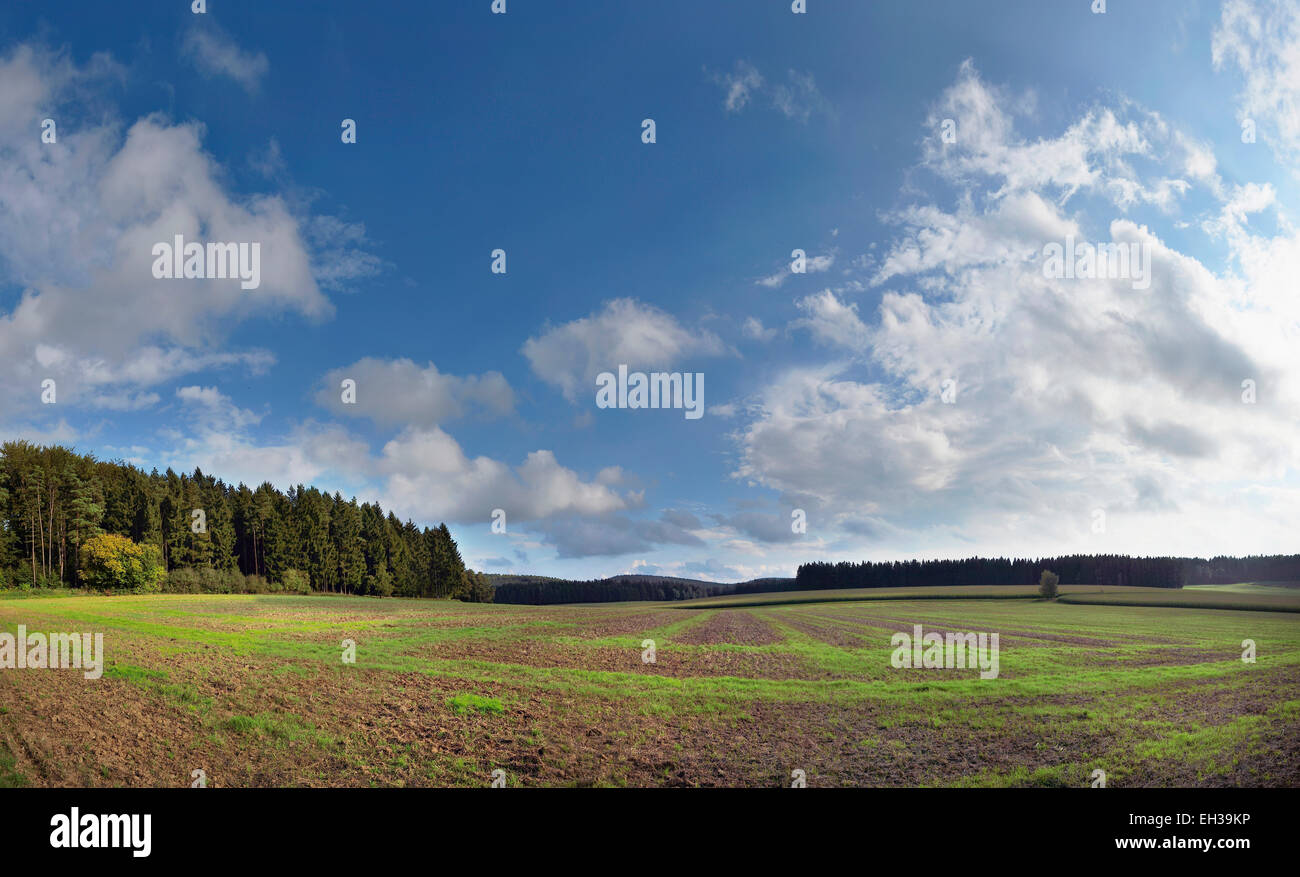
539 590
496 578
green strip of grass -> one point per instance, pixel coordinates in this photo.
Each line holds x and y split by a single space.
465 703
10 776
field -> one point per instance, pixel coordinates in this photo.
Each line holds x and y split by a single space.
254 691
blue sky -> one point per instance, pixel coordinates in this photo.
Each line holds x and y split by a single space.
1088 415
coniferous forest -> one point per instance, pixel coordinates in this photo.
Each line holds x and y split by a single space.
69 520
1078 569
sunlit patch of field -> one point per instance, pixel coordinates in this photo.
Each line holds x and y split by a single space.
253 690
1270 588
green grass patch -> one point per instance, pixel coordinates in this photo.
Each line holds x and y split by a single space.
466 703
272 726
10 776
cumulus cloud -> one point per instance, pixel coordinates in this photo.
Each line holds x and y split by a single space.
624 331
421 473
1094 155
832 322
426 473
323 455
1066 396
400 392
81 218
115 384
214 410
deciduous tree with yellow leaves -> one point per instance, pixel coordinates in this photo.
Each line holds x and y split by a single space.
112 561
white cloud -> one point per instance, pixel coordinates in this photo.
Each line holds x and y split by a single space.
625 331
832 322
342 252
427 473
739 85
1261 39
812 265
115 385
422 473
796 98
213 410
1094 155
124 401
1071 395
325 456
400 392
60 433
215 53
80 221
753 328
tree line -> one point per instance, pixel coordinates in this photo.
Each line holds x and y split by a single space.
536 591
539 590
1229 570
58 508
1077 569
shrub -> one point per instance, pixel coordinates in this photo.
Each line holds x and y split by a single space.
202 580
1047 585
20 578
380 584
181 581
110 561
295 581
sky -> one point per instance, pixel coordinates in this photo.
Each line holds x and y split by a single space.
922 383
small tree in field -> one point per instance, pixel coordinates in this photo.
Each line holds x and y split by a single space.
1047 583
